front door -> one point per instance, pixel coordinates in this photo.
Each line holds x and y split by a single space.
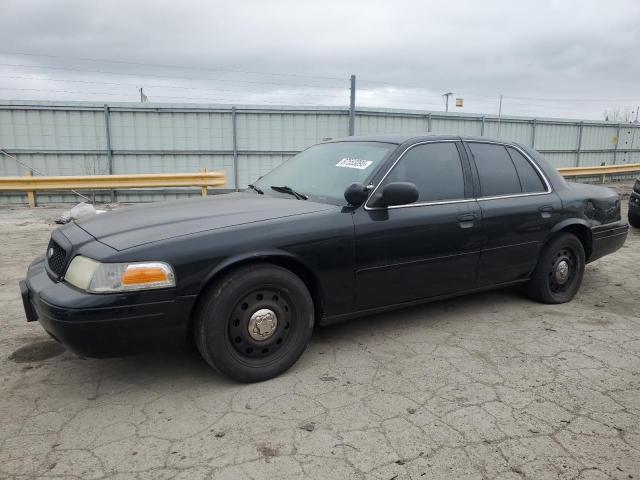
425 249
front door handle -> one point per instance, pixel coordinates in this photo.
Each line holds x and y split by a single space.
466 220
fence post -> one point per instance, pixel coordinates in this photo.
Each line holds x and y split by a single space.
534 123
580 127
107 124
615 148
31 196
352 107
482 126
234 129
203 188
429 123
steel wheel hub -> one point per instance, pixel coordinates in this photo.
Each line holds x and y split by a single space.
262 324
562 272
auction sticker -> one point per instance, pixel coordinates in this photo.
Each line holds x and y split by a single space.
357 163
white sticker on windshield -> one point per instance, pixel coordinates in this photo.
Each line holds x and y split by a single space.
354 163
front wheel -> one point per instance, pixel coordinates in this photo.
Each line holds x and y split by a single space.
255 322
558 275
634 220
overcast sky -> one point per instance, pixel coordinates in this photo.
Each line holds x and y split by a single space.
561 58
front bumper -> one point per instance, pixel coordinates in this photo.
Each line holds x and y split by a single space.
110 325
608 238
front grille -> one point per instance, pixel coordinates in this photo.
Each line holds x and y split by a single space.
56 257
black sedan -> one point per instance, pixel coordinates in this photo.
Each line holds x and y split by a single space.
345 228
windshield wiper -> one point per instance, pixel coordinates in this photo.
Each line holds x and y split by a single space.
290 191
253 187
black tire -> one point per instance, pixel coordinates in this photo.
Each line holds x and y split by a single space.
224 313
634 220
548 283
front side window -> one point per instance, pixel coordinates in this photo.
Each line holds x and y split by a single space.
434 168
324 171
496 171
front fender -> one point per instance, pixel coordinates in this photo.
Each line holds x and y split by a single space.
243 258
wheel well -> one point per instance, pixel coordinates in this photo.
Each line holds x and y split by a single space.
584 235
290 264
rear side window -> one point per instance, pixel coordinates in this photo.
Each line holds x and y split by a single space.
434 168
497 173
529 178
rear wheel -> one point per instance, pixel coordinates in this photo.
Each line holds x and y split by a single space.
558 275
255 322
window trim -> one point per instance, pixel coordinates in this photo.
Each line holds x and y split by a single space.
547 184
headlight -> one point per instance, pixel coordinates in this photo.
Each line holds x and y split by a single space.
99 277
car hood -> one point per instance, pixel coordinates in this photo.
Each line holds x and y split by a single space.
134 226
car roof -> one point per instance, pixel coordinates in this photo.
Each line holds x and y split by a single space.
400 138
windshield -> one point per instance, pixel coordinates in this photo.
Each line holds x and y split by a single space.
324 171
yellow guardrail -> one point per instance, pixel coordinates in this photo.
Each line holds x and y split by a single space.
31 184
601 170
204 180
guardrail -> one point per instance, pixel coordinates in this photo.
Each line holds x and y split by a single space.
600 171
31 184
204 180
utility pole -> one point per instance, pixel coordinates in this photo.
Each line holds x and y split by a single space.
143 97
446 96
352 107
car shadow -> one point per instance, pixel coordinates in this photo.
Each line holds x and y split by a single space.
184 368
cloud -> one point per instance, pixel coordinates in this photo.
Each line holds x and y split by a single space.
548 58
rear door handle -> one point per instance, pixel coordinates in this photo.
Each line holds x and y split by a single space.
546 211
467 217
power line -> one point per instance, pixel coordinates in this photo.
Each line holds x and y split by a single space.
165 65
136 95
494 97
86 70
17 77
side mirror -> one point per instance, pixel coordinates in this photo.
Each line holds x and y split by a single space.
355 194
397 193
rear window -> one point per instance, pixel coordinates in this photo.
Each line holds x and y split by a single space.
496 171
529 178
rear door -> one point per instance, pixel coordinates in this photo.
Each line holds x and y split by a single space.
518 211
425 249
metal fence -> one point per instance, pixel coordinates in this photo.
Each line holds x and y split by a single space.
79 138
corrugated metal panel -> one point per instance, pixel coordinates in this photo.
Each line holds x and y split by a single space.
70 138
171 131
370 124
456 126
556 137
252 167
56 164
594 159
561 159
598 138
287 131
520 132
51 129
